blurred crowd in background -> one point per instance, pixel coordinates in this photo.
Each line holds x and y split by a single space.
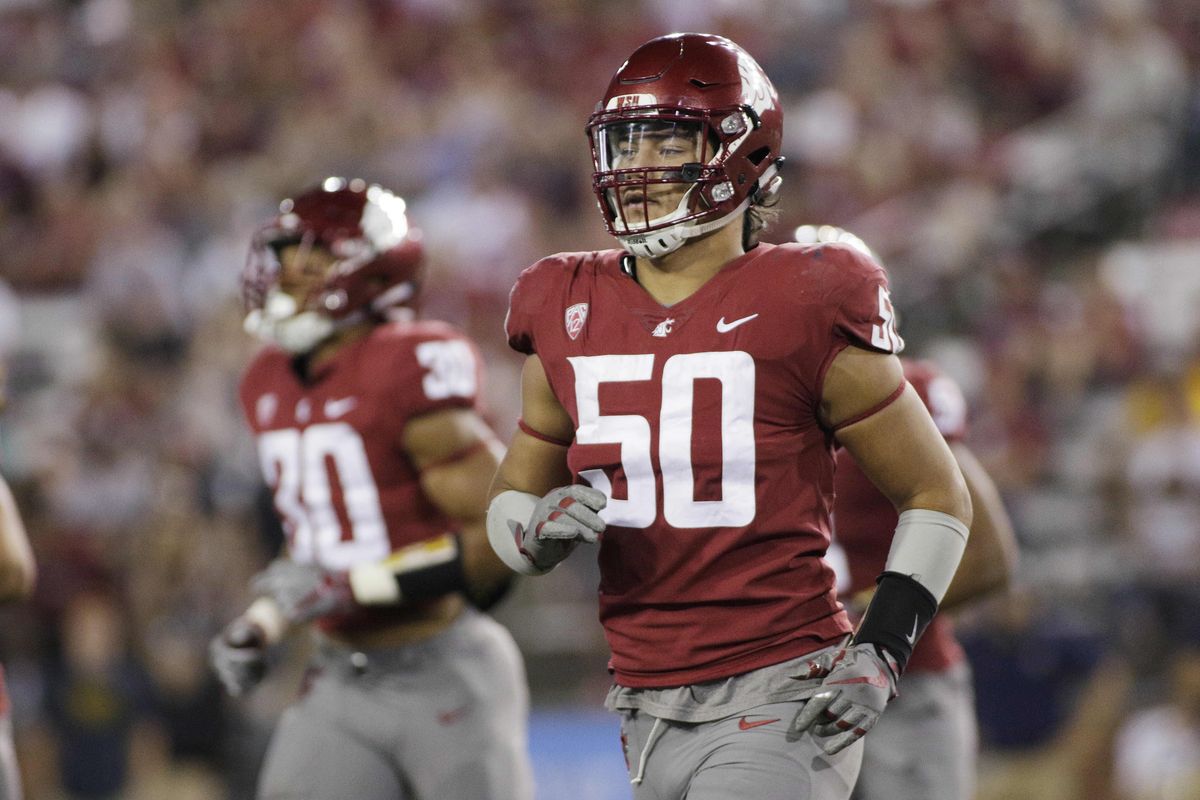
1028 170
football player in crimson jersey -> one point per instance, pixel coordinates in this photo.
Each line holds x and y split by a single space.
680 404
369 434
17 575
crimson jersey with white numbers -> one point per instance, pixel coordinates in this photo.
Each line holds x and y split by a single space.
864 520
331 447
699 421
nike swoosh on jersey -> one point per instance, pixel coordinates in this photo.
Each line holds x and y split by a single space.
339 408
744 725
726 327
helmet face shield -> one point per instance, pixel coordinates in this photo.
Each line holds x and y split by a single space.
649 143
646 159
653 170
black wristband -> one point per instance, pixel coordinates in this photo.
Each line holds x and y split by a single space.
898 614
435 580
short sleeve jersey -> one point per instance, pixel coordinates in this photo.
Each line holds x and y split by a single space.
699 422
331 448
864 520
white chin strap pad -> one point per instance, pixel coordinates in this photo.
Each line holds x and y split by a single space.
927 547
509 512
303 332
655 244
278 321
660 243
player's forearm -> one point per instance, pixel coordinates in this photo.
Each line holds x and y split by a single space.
902 452
486 575
17 581
986 565
18 572
531 466
991 555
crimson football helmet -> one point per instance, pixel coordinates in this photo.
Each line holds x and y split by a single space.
376 267
697 85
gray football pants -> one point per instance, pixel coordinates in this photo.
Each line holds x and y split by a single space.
442 719
750 755
924 746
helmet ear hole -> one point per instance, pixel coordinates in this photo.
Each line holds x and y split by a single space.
758 155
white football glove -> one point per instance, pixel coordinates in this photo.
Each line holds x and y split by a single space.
860 683
238 655
561 520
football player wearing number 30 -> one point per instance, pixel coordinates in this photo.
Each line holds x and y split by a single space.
369 434
681 400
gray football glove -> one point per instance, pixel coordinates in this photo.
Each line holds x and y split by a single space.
860 683
303 592
560 521
238 655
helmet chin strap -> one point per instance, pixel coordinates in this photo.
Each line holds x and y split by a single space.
298 333
660 243
666 241
301 333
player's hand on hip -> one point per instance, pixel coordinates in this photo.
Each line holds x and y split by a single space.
861 682
238 655
560 521
303 592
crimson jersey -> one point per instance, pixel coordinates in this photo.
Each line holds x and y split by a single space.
865 520
699 421
331 448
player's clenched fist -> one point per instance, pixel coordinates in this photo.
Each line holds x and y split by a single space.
554 526
238 655
860 683
561 520
303 592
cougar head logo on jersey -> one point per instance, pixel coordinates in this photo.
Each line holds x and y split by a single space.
686 138
575 317
350 255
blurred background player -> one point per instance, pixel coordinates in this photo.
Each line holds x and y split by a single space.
925 746
17 569
696 381
370 436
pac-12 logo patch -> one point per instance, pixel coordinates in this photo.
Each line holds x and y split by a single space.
575 317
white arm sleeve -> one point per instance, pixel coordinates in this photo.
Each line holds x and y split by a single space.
508 513
927 547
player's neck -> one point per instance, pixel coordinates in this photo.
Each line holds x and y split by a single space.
325 352
678 275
